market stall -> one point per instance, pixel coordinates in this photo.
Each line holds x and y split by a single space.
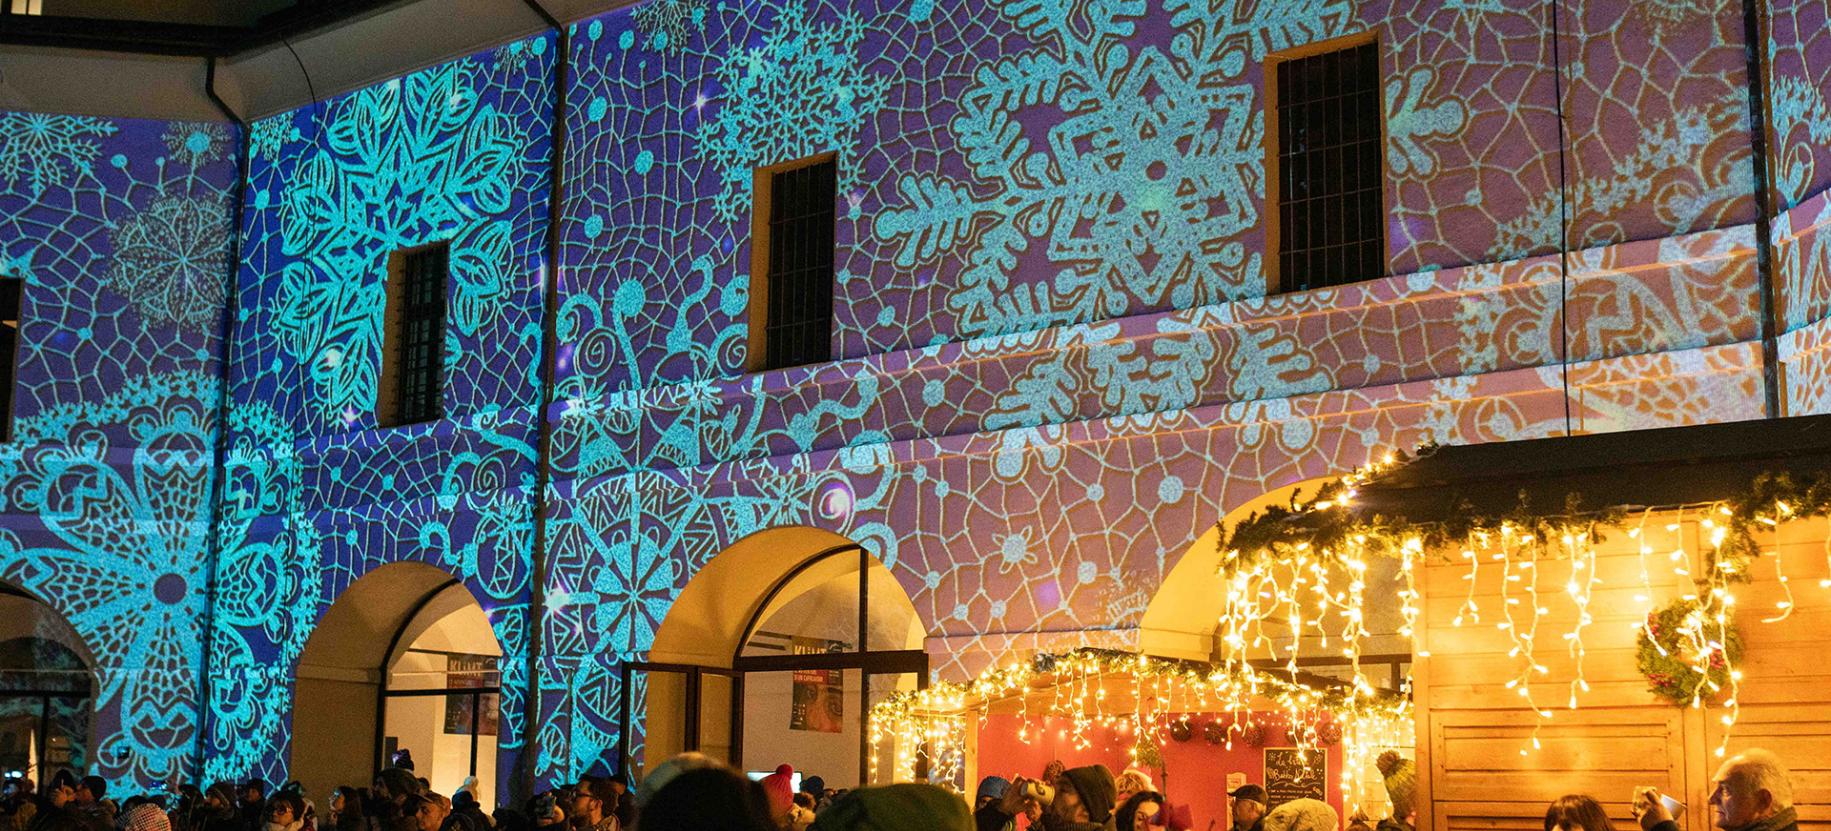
1196 730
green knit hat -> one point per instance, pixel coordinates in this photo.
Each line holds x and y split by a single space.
914 807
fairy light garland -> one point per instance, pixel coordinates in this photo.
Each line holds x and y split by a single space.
1074 684
1282 554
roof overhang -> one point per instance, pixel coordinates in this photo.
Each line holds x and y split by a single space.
1667 467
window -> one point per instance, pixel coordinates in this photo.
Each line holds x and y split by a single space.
1331 220
9 351
412 372
794 247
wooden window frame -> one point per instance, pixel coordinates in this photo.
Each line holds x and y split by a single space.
10 352
762 191
389 398
1273 210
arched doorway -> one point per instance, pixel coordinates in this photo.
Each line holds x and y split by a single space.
47 690
776 653
405 659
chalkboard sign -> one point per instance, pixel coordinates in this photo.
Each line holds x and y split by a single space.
1287 777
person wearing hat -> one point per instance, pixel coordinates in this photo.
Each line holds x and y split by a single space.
1248 808
779 787
991 789
1302 815
998 802
145 816
815 787
909 806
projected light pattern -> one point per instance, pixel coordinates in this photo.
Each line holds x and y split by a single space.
118 228
1029 167
317 495
1061 360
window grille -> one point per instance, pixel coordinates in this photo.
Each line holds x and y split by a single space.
1332 213
798 324
10 291
413 387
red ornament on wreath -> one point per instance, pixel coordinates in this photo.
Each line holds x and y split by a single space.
1254 735
1214 733
1329 734
1181 731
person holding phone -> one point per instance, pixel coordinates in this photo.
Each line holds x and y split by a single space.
1751 791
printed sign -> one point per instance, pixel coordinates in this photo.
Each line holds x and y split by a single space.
461 708
819 701
1292 774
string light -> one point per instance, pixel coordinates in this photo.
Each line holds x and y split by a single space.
1324 537
1164 691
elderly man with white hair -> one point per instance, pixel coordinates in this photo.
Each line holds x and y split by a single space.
1752 791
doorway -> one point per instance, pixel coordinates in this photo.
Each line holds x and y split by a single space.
404 666
824 642
47 690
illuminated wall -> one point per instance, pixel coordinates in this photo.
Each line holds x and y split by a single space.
120 229
1060 364
1799 55
1059 360
317 496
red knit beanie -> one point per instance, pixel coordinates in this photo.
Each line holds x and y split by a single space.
779 786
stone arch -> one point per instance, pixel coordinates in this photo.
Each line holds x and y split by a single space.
355 664
706 669
48 675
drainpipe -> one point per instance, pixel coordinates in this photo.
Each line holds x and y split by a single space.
1754 45
549 345
218 473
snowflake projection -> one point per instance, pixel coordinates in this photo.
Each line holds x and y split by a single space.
442 157
810 66
171 264
1060 373
266 136
1411 122
1137 193
48 150
196 143
668 23
121 559
315 499
106 480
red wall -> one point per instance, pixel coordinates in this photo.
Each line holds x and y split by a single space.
1195 772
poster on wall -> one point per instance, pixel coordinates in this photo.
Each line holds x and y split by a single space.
819 701
463 671
1289 775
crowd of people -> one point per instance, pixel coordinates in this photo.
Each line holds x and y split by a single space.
1752 791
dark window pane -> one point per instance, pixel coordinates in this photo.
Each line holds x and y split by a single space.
1332 205
798 326
421 340
10 320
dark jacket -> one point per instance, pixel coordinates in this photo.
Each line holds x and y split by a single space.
993 818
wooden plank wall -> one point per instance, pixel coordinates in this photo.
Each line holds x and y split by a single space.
1472 728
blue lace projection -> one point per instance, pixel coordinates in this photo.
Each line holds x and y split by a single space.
106 483
1113 164
317 496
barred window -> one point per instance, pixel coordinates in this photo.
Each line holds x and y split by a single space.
10 292
1331 220
412 377
797 280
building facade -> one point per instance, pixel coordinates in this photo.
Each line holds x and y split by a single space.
1059 351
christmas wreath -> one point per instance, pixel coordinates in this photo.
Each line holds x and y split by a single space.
1680 653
